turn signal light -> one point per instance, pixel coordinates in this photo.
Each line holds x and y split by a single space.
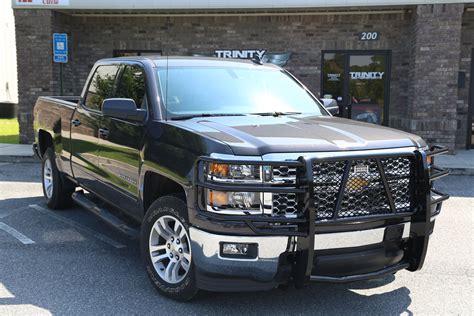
430 160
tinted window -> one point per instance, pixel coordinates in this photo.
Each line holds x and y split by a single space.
226 90
101 86
132 85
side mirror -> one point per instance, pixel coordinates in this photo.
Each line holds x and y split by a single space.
123 109
330 105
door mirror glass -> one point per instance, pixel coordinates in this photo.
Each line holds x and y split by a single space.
330 105
124 109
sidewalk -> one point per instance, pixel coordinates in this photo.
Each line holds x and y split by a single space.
461 163
16 153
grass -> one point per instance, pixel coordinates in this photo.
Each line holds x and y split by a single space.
9 131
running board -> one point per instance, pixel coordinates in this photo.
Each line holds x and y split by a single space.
81 199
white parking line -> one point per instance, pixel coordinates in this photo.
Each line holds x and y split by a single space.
12 231
72 223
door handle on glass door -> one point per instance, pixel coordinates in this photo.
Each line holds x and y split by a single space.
103 132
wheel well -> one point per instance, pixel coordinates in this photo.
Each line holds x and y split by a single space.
45 141
156 186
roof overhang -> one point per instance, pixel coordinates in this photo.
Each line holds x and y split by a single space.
132 5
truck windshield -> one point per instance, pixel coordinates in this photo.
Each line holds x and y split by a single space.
207 91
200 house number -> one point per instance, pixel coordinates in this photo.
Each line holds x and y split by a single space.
369 36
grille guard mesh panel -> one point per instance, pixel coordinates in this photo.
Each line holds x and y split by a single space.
364 192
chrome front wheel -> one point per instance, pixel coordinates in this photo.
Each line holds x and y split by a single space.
48 178
170 249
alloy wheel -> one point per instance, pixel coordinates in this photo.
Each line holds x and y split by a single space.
170 249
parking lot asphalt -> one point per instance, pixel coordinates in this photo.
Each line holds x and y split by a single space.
69 262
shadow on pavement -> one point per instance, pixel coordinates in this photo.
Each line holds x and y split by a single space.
13 203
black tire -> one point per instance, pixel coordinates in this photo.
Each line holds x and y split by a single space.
60 196
175 207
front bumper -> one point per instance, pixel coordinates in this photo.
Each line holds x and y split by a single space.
339 257
295 249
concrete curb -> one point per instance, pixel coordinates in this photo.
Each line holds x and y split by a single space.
19 159
461 171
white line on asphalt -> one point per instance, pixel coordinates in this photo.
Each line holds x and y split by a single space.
12 231
72 223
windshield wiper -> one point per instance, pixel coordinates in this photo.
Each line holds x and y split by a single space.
187 117
275 114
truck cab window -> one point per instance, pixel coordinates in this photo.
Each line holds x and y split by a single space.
132 85
100 86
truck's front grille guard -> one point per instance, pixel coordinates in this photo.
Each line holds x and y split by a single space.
427 203
305 190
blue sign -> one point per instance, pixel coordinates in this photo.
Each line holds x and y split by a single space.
60 48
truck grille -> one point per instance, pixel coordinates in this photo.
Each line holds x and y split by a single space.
364 193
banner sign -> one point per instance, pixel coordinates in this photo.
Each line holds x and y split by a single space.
279 59
42 3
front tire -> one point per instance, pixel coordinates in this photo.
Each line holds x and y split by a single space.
166 249
58 193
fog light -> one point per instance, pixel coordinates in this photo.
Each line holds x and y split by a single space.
239 250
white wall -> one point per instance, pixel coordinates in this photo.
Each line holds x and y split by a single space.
8 72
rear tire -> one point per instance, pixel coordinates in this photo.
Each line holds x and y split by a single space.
166 249
56 190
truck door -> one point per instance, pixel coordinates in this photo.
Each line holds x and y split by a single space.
85 126
120 142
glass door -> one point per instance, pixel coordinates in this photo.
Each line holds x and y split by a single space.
470 115
360 82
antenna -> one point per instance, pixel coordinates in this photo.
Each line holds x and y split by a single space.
167 64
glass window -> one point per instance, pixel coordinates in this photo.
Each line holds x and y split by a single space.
233 90
333 76
101 86
132 85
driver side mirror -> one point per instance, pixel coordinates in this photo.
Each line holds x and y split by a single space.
330 105
125 109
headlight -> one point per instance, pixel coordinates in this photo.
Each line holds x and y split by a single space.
235 202
219 172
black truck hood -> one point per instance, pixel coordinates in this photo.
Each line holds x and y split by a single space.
259 135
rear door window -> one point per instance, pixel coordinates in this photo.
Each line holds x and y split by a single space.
101 86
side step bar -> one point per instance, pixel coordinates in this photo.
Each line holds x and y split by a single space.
81 199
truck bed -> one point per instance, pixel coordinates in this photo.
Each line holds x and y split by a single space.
53 114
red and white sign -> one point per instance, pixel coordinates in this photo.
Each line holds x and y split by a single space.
42 2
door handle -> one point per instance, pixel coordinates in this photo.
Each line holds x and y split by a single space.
103 132
76 122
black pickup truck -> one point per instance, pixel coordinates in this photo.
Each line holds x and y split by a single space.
235 177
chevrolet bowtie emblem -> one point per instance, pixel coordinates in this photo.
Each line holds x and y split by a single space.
357 183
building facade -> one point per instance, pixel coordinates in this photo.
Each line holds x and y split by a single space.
8 72
404 64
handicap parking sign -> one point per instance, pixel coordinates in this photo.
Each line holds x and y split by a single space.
60 54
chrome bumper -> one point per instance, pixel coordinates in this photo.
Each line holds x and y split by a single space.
207 258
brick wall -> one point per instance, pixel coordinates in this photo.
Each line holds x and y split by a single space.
467 44
433 75
33 29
